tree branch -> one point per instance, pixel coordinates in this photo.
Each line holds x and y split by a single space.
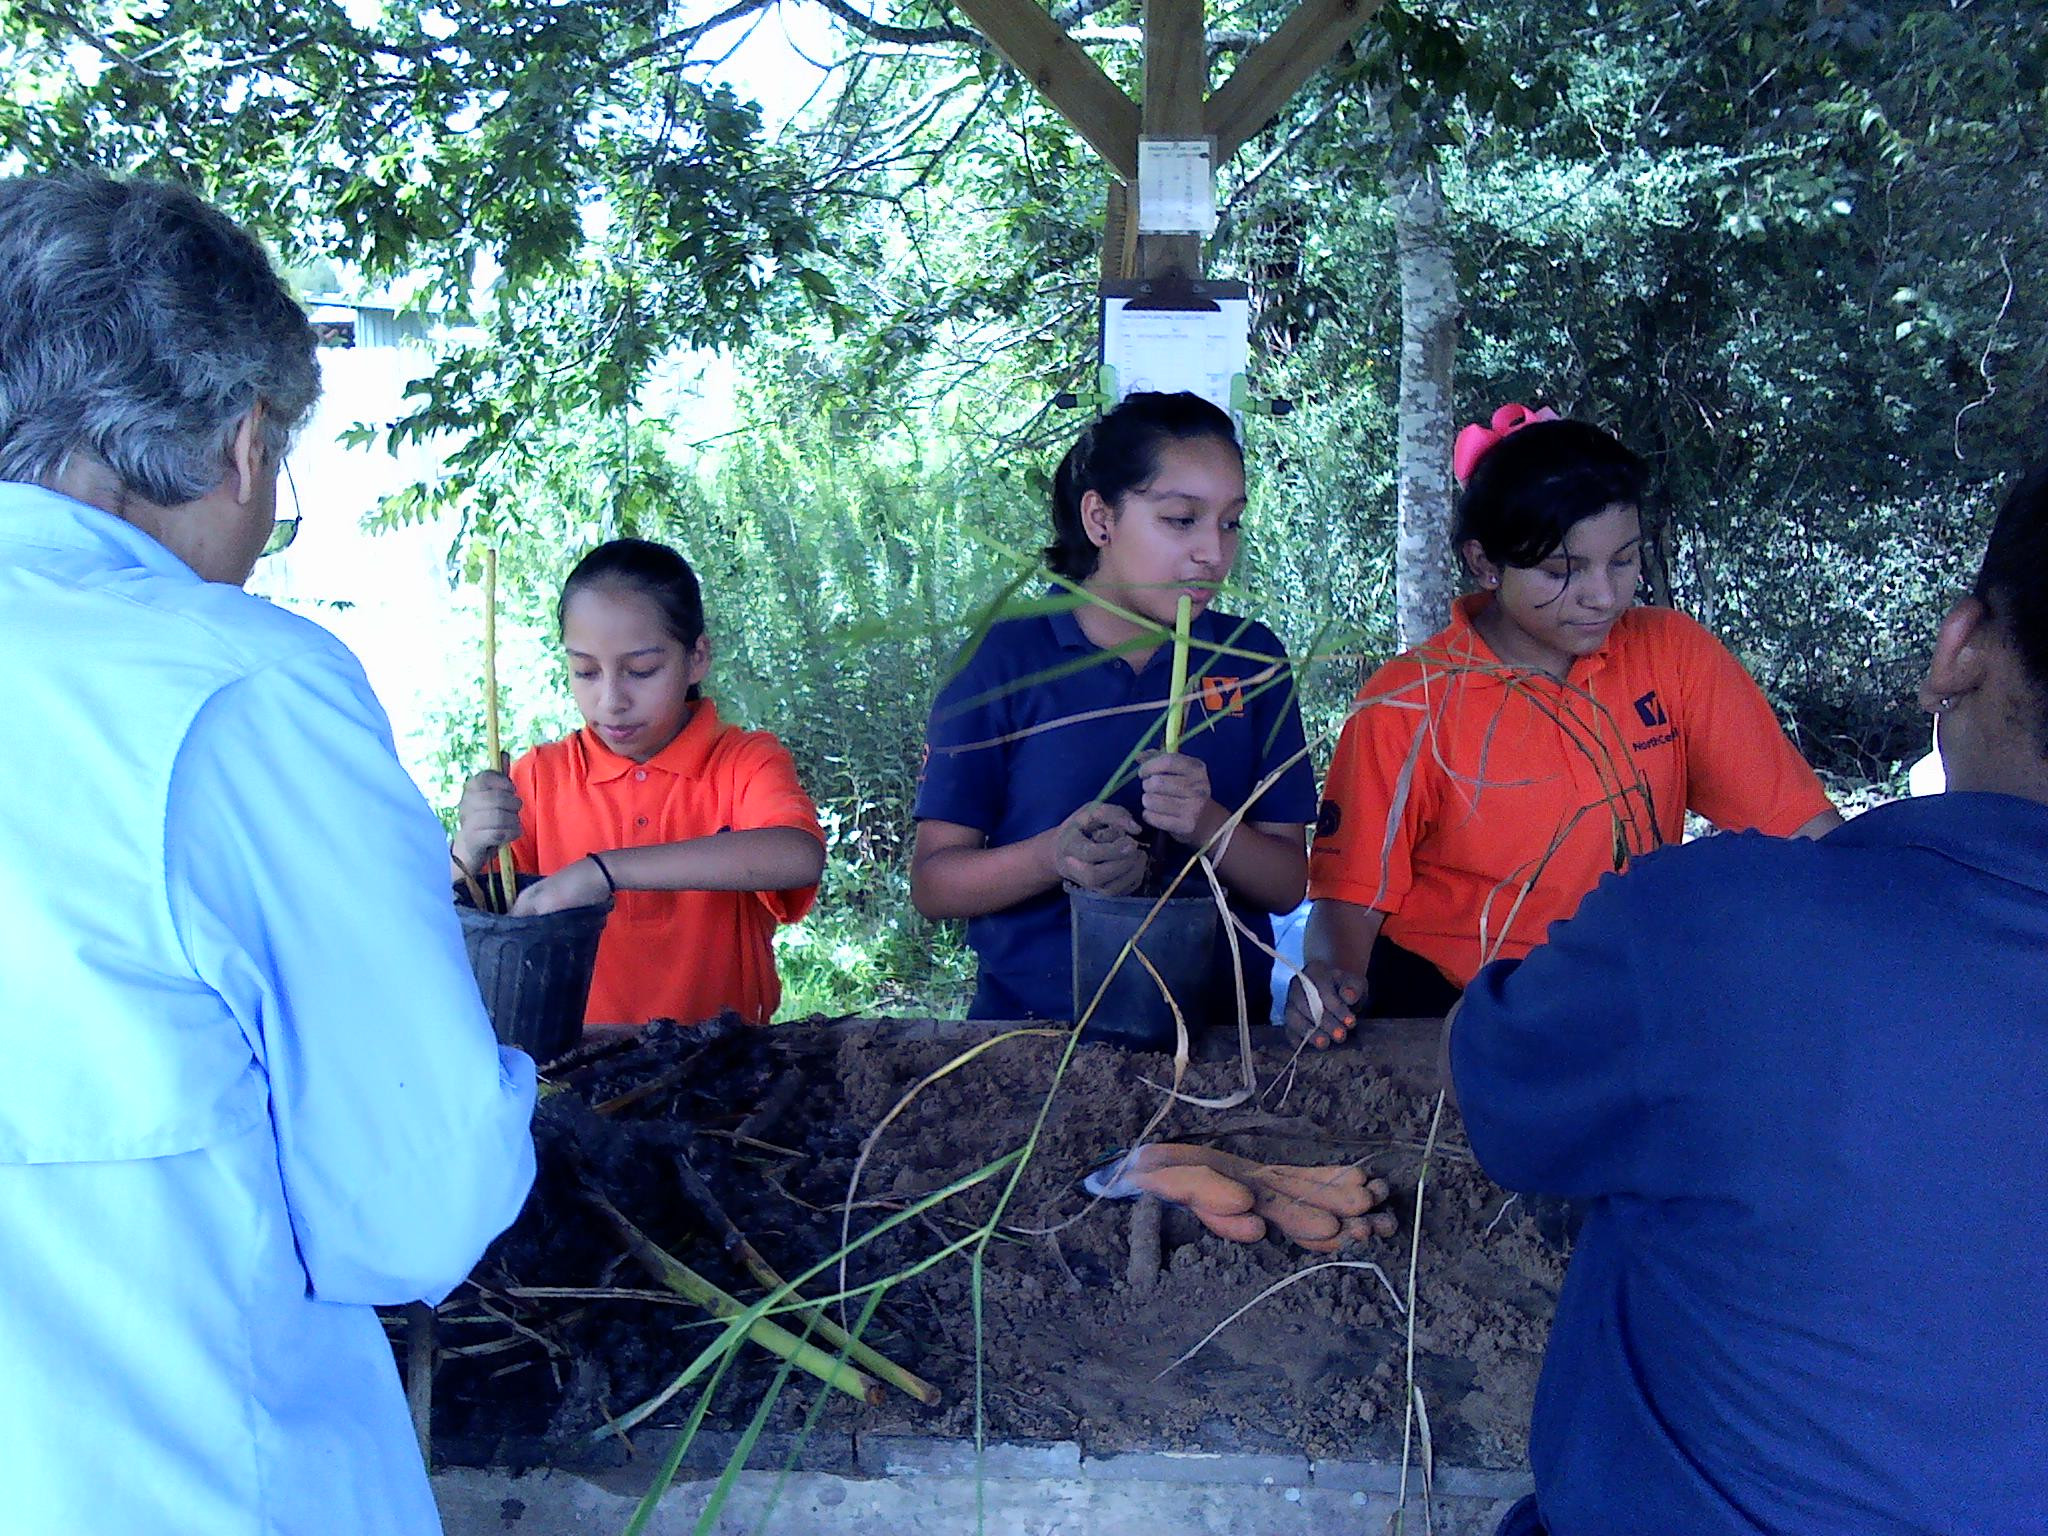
669 42
63 21
884 32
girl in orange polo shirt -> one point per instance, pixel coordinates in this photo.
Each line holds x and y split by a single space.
698 829
1488 777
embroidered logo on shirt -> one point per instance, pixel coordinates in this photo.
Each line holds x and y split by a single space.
1650 712
1329 817
1223 695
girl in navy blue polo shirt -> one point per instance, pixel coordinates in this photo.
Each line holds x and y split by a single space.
1042 760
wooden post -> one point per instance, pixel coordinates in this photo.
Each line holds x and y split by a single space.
1176 81
421 1347
1176 104
1120 233
1176 72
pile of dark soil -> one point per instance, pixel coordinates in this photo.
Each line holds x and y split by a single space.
1076 1330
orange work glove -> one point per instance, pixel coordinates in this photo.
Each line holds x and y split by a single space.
1319 1208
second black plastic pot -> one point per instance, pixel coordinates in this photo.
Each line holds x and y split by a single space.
1179 939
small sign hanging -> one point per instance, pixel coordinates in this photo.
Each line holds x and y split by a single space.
1176 187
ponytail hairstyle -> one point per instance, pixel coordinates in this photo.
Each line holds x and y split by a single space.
655 572
2012 584
1538 479
1118 454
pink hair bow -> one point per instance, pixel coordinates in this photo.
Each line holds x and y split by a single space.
1475 441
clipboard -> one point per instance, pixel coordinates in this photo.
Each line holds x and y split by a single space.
1173 334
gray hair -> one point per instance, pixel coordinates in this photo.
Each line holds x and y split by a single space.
138 325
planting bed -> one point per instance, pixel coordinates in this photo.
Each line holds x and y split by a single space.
1078 1322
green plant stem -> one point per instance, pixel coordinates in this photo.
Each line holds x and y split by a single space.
684 1281
650 1501
508 884
738 1247
1176 706
721 1349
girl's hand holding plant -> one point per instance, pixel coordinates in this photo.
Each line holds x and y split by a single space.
1097 848
1341 993
1177 799
487 819
581 884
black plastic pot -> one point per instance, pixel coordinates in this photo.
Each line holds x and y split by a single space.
1179 940
533 972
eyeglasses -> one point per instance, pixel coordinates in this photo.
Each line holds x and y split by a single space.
284 529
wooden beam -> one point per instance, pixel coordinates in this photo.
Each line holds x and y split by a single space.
1040 50
1176 81
1272 72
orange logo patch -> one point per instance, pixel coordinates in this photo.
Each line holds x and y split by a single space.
1223 695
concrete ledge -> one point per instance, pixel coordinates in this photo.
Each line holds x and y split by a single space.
822 1451
1482 1483
884 1484
901 1455
1254 1470
1451 1482
483 1503
1360 1476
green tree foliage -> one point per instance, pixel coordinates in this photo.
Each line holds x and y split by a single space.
1790 253
565 171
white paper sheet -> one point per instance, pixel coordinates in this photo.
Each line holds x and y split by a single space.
1176 187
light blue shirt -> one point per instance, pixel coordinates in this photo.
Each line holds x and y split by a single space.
247 1089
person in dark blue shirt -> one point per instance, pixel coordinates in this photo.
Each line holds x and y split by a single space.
1044 762
1803 1088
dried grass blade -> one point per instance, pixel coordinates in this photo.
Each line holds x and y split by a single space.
1278 1286
1414 1258
1428 1460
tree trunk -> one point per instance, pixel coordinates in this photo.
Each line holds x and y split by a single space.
1424 575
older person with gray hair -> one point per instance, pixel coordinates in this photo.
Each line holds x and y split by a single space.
250 1090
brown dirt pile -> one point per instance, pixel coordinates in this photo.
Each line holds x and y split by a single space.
1073 1337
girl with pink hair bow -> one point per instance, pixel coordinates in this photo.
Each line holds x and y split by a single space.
1553 730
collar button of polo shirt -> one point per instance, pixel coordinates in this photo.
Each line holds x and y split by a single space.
639 775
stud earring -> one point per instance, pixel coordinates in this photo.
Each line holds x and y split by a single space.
1944 704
